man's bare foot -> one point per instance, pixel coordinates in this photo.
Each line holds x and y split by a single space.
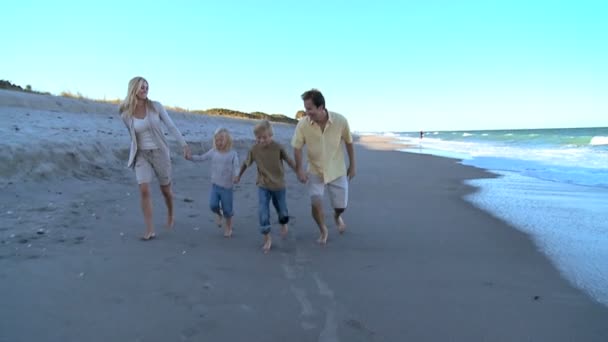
284 231
170 223
267 243
323 237
218 220
340 224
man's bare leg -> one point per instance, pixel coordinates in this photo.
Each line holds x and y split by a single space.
168 195
339 221
317 214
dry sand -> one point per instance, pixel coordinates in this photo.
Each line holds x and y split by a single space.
417 263
381 143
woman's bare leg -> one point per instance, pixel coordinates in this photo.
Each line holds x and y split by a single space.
146 208
168 195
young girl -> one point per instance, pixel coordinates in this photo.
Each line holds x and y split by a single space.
224 172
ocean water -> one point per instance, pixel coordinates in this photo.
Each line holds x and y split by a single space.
552 184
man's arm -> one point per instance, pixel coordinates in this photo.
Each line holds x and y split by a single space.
297 153
350 150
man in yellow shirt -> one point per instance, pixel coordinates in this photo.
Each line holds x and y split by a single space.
323 133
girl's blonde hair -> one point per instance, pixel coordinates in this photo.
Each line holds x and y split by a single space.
128 105
225 132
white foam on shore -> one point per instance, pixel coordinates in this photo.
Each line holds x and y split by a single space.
567 222
46 136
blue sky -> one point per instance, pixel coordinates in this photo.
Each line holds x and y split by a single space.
386 65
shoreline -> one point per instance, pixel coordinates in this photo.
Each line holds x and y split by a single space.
583 279
380 142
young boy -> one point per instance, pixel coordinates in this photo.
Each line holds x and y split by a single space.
268 156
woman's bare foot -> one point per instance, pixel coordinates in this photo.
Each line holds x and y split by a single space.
284 231
340 224
170 223
323 237
148 236
267 243
218 220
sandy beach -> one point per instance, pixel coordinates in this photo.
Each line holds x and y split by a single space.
417 263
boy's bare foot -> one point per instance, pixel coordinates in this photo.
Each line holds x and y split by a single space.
267 243
228 232
218 220
284 231
340 224
323 238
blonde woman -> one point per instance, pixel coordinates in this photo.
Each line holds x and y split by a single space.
224 173
150 153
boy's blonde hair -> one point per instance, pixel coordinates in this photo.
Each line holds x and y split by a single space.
224 131
261 127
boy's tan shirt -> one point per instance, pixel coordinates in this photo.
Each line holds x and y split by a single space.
269 161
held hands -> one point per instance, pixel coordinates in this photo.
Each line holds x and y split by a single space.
350 173
187 153
236 179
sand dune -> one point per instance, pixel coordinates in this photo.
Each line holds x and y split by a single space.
46 136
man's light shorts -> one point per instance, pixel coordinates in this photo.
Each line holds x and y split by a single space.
337 189
152 162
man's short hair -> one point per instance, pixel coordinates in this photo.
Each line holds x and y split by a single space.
315 95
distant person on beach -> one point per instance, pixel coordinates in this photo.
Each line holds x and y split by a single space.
268 156
150 154
323 133
224 173
421 134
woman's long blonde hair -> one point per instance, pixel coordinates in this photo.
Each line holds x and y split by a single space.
225 132
128 105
